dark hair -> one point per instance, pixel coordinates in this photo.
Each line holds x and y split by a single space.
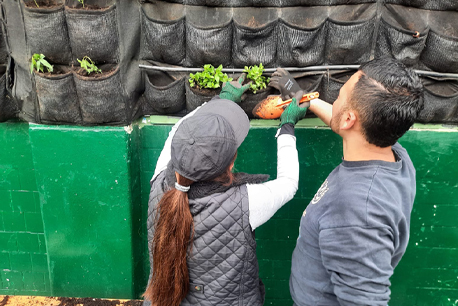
173 236
173 233
388 98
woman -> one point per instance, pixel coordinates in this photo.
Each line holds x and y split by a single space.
202 217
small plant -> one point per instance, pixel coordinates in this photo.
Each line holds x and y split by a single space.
37 3
211 77
39 62
254 73
82 2
88 65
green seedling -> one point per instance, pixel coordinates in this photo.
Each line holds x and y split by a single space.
36 3
39 62
88 65
211 77
254 73
82 2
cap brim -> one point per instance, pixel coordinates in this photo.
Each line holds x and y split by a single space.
233 113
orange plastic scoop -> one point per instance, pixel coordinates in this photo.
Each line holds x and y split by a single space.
273 106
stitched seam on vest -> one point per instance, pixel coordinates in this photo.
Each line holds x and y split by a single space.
242 293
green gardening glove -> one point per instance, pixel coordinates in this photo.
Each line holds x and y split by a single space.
294 112
234 90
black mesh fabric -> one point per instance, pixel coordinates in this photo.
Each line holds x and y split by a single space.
3 47
332 83
441 101
300 47
102 100
446 5
208 40
8 106
400 43
254 46
347 43
163 94
162 40
208 46
90 29
46 32
196 97
441 53
57 98
250 99
268 3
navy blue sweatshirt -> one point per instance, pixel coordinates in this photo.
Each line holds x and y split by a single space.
354 233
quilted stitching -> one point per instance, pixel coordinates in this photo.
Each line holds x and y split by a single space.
223 256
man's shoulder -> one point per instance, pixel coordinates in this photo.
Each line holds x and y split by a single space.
402 153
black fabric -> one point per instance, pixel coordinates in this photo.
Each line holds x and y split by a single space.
47 34
287 128
102 99
255 37
300 46
3 45
448 5
209 45
267 3
441 101
332 82
8 106
162 40
90 29
347 43
400 44
403 38
441 52
196 97
250 99
57 98
164 94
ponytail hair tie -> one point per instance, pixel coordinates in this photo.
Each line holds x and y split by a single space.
181 188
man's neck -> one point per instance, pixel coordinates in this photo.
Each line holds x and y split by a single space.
356 149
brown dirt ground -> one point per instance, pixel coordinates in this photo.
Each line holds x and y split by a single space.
16 300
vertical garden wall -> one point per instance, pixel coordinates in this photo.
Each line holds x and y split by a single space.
75 164
118 36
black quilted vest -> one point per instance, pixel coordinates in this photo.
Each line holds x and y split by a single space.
222 264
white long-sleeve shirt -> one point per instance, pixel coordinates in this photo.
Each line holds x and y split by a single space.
265 198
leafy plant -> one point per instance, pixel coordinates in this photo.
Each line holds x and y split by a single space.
254 73
82 2
211 77
39 62
88 65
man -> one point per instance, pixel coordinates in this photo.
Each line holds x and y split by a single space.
356 228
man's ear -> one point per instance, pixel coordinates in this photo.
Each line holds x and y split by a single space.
349 120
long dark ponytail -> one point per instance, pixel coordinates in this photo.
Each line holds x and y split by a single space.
173 233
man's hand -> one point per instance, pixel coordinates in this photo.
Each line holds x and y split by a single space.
285 83
234 90
294 112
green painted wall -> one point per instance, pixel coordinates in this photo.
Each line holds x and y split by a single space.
82 231
23 252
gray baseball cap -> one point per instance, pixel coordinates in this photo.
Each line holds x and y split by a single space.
205 143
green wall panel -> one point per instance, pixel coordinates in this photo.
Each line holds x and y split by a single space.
86 189
427 275
73 204
23 255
